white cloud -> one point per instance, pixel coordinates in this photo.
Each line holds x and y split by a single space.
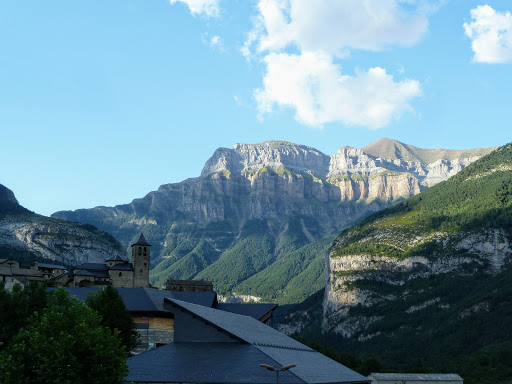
209 8
214 42
313 85
491 35
337 26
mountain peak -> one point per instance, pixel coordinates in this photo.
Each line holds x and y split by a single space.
393 149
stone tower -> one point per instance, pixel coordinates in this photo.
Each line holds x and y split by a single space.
140 260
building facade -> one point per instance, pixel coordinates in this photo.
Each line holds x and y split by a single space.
115 271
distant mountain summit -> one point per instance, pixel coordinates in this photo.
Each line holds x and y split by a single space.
393 149
26 236
259 217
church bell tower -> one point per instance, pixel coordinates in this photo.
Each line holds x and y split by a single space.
140 260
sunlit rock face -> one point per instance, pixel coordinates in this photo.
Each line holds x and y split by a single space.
273 182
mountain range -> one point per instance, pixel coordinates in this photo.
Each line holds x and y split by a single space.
259 218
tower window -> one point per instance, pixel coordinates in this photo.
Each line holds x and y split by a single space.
145 264
120 273
140 251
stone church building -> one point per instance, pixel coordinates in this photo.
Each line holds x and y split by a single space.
115 271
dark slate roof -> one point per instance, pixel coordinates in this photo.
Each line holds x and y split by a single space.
204 298
205 363
142 241
116 258
416 376
51 266
93 266
241 327
122 267
256 311
84 272
146 299
236 362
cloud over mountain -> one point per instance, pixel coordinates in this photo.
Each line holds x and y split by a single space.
309 80
316 88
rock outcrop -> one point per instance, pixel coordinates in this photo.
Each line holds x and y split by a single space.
25 235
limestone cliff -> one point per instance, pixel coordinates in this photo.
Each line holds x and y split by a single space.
257 209
443 255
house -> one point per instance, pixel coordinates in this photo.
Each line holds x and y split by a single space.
115 271
155 323
12 272
51 271
415 378
215 346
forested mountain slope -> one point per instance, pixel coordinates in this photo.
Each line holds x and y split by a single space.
427 283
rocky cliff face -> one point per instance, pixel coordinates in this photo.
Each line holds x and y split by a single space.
294 194
463 253
25 236
458 228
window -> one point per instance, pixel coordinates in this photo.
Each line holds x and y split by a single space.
145 264
120 273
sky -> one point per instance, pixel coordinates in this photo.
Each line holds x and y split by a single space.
102 101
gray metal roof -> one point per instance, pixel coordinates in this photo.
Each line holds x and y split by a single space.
241 327
256 311
236 362
416 376
205 363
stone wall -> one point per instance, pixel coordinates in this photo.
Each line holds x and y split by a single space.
121 278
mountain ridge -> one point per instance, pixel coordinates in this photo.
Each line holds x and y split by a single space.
294 195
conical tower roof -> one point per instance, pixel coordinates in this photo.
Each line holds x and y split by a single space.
142 241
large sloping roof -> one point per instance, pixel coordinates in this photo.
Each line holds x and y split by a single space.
206 363
146 299
398 377
241 327
256 311
236 362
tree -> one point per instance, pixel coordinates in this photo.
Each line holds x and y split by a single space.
66 344
110 306
17 306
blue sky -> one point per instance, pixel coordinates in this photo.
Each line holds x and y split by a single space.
103 101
